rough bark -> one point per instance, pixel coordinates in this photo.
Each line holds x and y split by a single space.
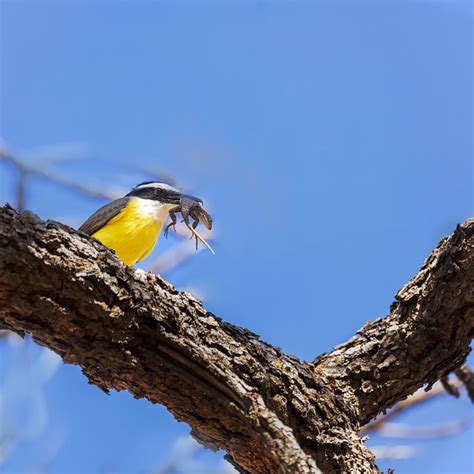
130 330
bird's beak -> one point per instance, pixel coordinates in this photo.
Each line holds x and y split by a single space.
174 197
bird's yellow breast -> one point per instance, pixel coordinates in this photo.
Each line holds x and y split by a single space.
133 233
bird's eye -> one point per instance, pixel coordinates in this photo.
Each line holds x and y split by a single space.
158 191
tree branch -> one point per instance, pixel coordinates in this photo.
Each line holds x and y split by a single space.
426 335
130 330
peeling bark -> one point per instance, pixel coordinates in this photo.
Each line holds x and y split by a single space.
131 330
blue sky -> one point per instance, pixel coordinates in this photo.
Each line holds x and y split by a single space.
331 141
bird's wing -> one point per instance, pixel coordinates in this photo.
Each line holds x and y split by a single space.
104 215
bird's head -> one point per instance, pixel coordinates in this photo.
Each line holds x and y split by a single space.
158 191
170 199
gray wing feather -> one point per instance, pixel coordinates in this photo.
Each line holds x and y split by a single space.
103 215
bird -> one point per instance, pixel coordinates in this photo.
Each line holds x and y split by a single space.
131 225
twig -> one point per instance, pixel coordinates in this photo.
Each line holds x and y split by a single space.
450 387
24 169
466 376
416 399
405 431
401 451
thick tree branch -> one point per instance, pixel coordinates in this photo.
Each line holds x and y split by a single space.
130 330
425 337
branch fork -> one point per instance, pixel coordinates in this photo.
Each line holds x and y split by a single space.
130 330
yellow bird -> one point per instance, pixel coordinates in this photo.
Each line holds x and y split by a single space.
132 224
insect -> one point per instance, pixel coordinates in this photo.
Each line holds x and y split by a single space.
191 207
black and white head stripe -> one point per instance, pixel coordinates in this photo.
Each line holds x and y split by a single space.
157 191
155 185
